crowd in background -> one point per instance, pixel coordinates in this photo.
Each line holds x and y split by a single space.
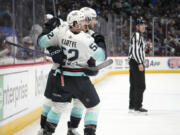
115 21
166 15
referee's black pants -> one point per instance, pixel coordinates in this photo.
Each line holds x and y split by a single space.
137 85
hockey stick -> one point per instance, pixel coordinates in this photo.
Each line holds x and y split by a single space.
20 46
98 67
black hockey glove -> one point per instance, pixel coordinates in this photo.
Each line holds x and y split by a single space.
91 63
50 25
99 40
56 54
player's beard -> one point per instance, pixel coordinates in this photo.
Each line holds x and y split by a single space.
86 28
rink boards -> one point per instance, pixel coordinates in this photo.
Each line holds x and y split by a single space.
22 88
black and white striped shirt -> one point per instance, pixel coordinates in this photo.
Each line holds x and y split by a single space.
137 48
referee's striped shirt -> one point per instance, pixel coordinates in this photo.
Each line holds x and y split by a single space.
137 48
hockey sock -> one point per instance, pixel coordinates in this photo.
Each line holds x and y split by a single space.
76 115
90 119
44 113
52 121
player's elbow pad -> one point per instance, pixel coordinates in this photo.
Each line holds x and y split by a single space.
45 31
42 42
38 40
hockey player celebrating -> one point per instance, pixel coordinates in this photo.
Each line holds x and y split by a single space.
77 110
57 58
78 47
91 18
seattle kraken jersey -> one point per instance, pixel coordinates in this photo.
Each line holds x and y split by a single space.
65 27
78 48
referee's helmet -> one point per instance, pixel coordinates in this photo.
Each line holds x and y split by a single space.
140 20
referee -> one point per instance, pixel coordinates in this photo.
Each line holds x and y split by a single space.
137 69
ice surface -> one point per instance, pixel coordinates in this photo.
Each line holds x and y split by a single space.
161 98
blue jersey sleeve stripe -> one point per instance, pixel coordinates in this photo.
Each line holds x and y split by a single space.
43 42
99 55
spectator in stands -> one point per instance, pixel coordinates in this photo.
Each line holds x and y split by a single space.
118 51
177 50
8 33
36 30
149 48
12 49
3 50
24 53
159 49
108 12
1 38
6 49
6 26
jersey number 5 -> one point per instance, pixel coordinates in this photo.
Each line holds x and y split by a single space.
93 47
